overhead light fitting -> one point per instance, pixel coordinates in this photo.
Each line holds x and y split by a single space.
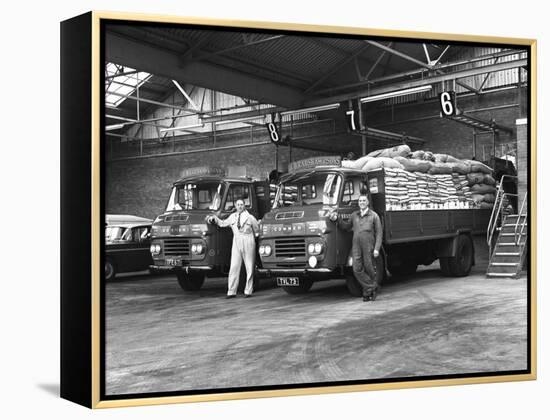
114 127
388 95
312 109
181 128
238 120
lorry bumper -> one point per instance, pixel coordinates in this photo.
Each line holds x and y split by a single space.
303 271
183 268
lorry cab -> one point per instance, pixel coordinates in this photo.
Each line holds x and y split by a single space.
298 243
183 242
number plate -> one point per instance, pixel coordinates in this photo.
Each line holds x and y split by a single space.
288 281
173 262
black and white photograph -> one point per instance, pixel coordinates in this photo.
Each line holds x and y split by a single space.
287 209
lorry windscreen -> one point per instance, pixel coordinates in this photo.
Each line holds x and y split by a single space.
313 188
202 195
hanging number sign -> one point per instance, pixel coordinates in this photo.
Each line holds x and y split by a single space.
447 101
273 133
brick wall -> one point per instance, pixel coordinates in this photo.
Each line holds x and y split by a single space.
142 186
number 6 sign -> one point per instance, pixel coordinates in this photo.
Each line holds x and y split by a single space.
447 101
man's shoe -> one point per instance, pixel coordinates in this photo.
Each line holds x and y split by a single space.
247 295
373 295
230 296
366 298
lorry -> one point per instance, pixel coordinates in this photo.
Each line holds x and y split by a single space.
182 239
300 245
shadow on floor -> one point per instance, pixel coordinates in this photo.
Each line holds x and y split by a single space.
52 389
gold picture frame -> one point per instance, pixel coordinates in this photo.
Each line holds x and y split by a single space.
81 254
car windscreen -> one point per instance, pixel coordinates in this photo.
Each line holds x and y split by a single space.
116 233
312 188
203 195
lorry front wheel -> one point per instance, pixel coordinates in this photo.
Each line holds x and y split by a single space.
305 285
461 264
190 281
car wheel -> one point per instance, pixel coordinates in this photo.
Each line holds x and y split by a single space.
110 270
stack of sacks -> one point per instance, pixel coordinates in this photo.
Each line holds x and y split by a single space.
429 180
397 194
462 188
482 187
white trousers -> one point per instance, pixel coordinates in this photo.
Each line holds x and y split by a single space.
243 249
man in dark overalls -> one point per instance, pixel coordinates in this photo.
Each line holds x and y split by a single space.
367 239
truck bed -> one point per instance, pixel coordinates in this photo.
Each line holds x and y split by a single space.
419 225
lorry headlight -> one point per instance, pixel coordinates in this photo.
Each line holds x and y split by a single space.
155 249
197 249
312 261
315 248
265 250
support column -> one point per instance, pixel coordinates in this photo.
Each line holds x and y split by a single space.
522 159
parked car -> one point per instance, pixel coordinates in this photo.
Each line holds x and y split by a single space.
127 242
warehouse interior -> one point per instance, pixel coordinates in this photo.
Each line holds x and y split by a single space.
183 96
177 98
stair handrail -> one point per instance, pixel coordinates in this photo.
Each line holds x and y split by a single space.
498 207
517 238
494 215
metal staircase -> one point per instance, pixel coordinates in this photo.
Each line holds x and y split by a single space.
507 237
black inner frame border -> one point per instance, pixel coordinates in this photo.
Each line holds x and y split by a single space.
314 385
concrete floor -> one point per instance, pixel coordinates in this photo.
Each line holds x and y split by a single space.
160 338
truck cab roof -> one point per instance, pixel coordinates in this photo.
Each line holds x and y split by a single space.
219 178
321 169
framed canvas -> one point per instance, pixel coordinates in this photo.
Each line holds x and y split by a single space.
372 192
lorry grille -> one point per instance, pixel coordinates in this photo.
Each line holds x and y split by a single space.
177 218
290 247
176 246
289 215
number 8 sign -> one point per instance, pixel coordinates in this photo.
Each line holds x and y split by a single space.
273 133
447 103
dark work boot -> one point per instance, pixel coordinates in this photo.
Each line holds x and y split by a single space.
373 294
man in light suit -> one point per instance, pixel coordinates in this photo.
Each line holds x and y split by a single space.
245 229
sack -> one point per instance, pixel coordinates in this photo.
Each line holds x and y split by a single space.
414 165
477 198
461 168
479 167
356 164
489 198
439 168
381 162
402 150
482 189
444 158
475 178
489 180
